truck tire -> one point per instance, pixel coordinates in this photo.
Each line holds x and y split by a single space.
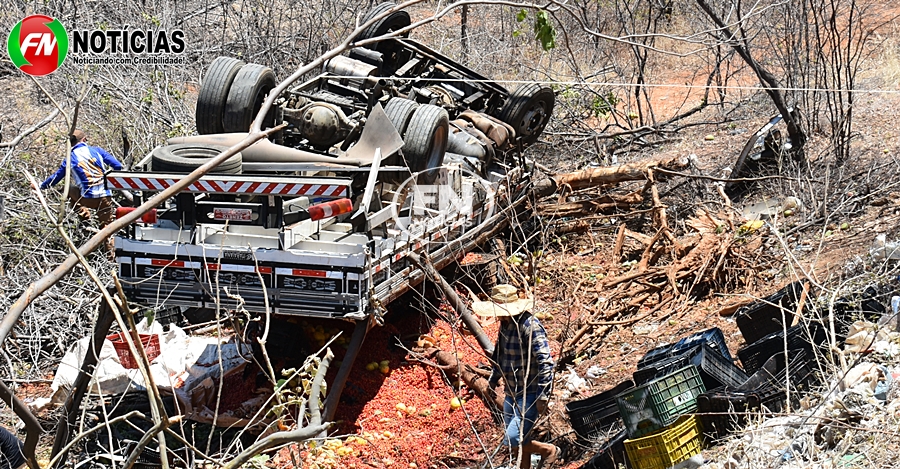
390 23
186 157
528 110
400 112
213 94
425 141
246 96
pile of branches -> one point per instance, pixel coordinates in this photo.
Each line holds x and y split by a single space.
658 272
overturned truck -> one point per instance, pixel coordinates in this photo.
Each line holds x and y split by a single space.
393 149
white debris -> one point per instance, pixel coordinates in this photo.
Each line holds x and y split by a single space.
595 371
183 361
574 382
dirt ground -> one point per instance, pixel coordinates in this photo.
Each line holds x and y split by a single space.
822 241
568 287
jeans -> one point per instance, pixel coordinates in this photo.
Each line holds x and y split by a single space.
518 427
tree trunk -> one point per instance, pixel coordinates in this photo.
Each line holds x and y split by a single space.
635 171
464 31
767 79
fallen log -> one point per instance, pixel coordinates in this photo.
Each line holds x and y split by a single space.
569 209
475 380
635 171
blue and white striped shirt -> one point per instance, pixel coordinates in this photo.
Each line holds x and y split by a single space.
522 357
87 168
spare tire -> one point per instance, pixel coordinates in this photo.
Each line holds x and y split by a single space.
246 96
186 157
213 94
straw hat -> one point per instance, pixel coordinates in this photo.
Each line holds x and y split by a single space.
505 301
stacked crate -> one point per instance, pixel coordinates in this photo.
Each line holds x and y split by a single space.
779 358
669 381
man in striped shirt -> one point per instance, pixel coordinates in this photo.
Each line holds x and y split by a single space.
88 166
522 358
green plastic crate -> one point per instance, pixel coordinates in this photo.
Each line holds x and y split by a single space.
666 447
660 402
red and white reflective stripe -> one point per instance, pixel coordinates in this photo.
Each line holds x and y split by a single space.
222 186
308 273
238 268
167 263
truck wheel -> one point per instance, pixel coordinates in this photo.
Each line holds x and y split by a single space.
248 92
186 157
528 110
213 93
425 142
400 112
390 23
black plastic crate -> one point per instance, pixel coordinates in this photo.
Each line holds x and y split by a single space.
611 455
769 383
847 310
659 353
801 336
765 317
168 315
715 369
713 337
594 416
721 411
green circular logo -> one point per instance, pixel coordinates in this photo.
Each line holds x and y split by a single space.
38 45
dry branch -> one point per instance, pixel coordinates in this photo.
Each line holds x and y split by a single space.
467 374
467 318
276 439
32 426
668 274
73 402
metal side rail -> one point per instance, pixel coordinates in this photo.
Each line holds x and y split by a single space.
404 274
232 184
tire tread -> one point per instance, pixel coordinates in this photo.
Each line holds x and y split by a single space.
213 94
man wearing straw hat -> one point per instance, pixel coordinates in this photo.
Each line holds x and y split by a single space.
522 358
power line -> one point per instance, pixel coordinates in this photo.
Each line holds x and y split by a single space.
632 85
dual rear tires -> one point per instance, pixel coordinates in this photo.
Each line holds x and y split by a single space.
231 95
425 130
